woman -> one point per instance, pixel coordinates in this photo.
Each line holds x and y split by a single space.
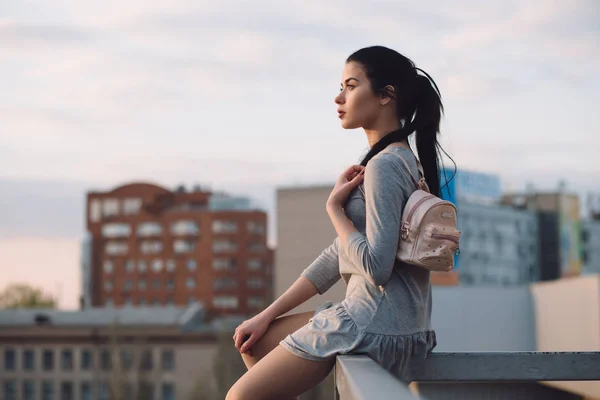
387 309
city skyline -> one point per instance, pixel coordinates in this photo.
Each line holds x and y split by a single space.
240 98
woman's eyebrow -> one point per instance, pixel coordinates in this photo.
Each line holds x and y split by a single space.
349 79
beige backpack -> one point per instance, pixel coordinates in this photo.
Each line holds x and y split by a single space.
428 234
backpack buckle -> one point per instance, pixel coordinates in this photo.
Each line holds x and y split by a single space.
404 229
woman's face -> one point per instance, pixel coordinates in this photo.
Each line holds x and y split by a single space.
358 106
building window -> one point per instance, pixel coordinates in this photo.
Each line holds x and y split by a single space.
170 266
10 390
146 390
190 283
256 283
169 302
254 264
185 228
156 284
224 264
168 391
86 391
256 302
151 246
127 390
95 210
116 230
103 391
191 264
116 248
48 360
110 207
108 286
86 360
146 229
66 391
183 246
142 302
142 284
127 301
128 284
28 390
129 266
142 267
256 247
126 359
224 283
191 300
132 206
28 360
156 303
255 227
66 360
47 390
146 360
224 226
105 360
225 302
108 266
224 246
157 265
170 285
10 360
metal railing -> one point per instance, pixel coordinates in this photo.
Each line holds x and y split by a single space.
358 377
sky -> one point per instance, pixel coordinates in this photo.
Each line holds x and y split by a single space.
238 96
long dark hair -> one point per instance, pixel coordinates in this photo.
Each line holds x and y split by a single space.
418 106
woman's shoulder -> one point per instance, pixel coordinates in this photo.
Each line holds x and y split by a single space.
394 157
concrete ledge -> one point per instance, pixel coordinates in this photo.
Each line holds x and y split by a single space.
360 378
509 366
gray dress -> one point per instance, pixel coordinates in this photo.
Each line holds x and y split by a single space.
386 313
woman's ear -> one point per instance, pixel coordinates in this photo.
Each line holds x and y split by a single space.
387 94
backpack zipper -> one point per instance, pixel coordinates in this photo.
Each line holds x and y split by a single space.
406 224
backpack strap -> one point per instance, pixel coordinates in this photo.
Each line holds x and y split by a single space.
420 184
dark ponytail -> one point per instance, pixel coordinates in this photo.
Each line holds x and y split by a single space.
418 105
426 124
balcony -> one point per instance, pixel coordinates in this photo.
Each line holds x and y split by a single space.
480 375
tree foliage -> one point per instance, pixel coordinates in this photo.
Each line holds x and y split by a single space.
20 295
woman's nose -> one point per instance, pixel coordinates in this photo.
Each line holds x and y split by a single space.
339 99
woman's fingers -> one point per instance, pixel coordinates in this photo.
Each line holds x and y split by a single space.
239 340
247 344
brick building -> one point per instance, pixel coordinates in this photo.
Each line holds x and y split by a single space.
147 245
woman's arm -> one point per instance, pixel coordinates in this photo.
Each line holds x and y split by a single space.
317 278
298 293
386 184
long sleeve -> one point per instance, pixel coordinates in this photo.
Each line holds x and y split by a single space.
387 186
324 272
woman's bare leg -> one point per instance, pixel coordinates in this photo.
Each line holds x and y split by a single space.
280 375
278 330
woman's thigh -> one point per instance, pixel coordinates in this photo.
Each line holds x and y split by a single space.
280 375
278 330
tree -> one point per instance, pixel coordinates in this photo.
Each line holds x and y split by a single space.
132 371
228 367
20 295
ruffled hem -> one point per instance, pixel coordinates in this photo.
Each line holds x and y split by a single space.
331 331
396 352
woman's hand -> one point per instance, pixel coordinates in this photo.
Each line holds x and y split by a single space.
249 331
347 181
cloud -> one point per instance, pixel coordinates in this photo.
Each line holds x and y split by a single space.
15 34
